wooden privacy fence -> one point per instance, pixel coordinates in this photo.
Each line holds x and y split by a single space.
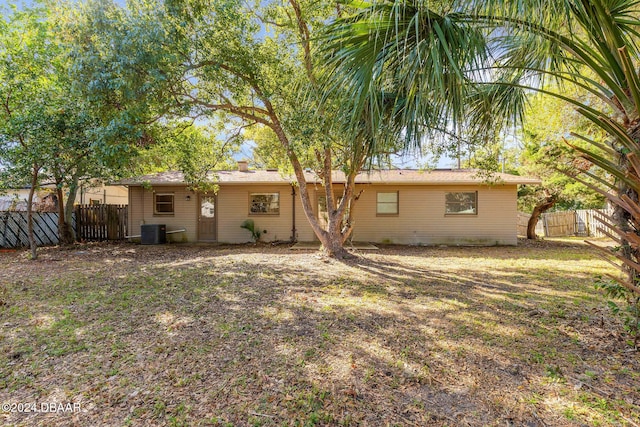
14 229
581 222
91 223
101 222
588 225
556 224
523 220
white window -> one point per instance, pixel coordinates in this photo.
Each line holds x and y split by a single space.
463 203
387 203
163 204
264 204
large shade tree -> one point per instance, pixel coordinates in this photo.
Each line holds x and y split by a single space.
28 81
590 44
155 61
48 133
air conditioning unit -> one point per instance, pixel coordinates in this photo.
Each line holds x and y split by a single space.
153 234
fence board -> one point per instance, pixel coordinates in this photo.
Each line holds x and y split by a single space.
568 223
559 223
20 226
49 225
523 219
523 222
44 234
101 222
91 223
588 225
14 229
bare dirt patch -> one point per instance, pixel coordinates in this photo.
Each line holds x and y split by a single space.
264 336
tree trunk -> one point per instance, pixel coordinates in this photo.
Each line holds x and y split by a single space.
69 207
538 210
623 219
333 246
332 239
64 228
32 239
65 212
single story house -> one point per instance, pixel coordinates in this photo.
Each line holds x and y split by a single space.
450 207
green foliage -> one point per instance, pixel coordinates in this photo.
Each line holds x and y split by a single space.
546 155
194 150
591 45
268 152
246 66
625 304
48 132
419 55
29 84
248 224
28 66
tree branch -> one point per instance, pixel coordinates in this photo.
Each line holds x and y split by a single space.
262 18
305 38
241 111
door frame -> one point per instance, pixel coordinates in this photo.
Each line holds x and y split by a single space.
215 215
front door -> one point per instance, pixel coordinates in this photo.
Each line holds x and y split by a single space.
323 215
207 219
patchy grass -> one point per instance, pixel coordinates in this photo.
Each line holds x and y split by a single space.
246 336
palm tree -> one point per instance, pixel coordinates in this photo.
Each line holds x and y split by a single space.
591 45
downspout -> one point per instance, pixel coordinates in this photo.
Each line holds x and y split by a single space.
293 204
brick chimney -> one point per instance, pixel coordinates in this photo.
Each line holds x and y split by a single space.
243 166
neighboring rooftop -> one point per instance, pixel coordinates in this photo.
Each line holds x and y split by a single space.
397 176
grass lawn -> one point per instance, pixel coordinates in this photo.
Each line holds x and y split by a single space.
264 336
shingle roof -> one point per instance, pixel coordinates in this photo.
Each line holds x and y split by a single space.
398 176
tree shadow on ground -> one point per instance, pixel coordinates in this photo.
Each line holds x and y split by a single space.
217 336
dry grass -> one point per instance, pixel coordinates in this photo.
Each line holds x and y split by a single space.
245 336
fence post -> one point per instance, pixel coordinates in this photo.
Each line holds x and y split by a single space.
112 221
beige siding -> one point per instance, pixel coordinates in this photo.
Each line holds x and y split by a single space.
141 212
233 209
422 221
109 194
304 231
